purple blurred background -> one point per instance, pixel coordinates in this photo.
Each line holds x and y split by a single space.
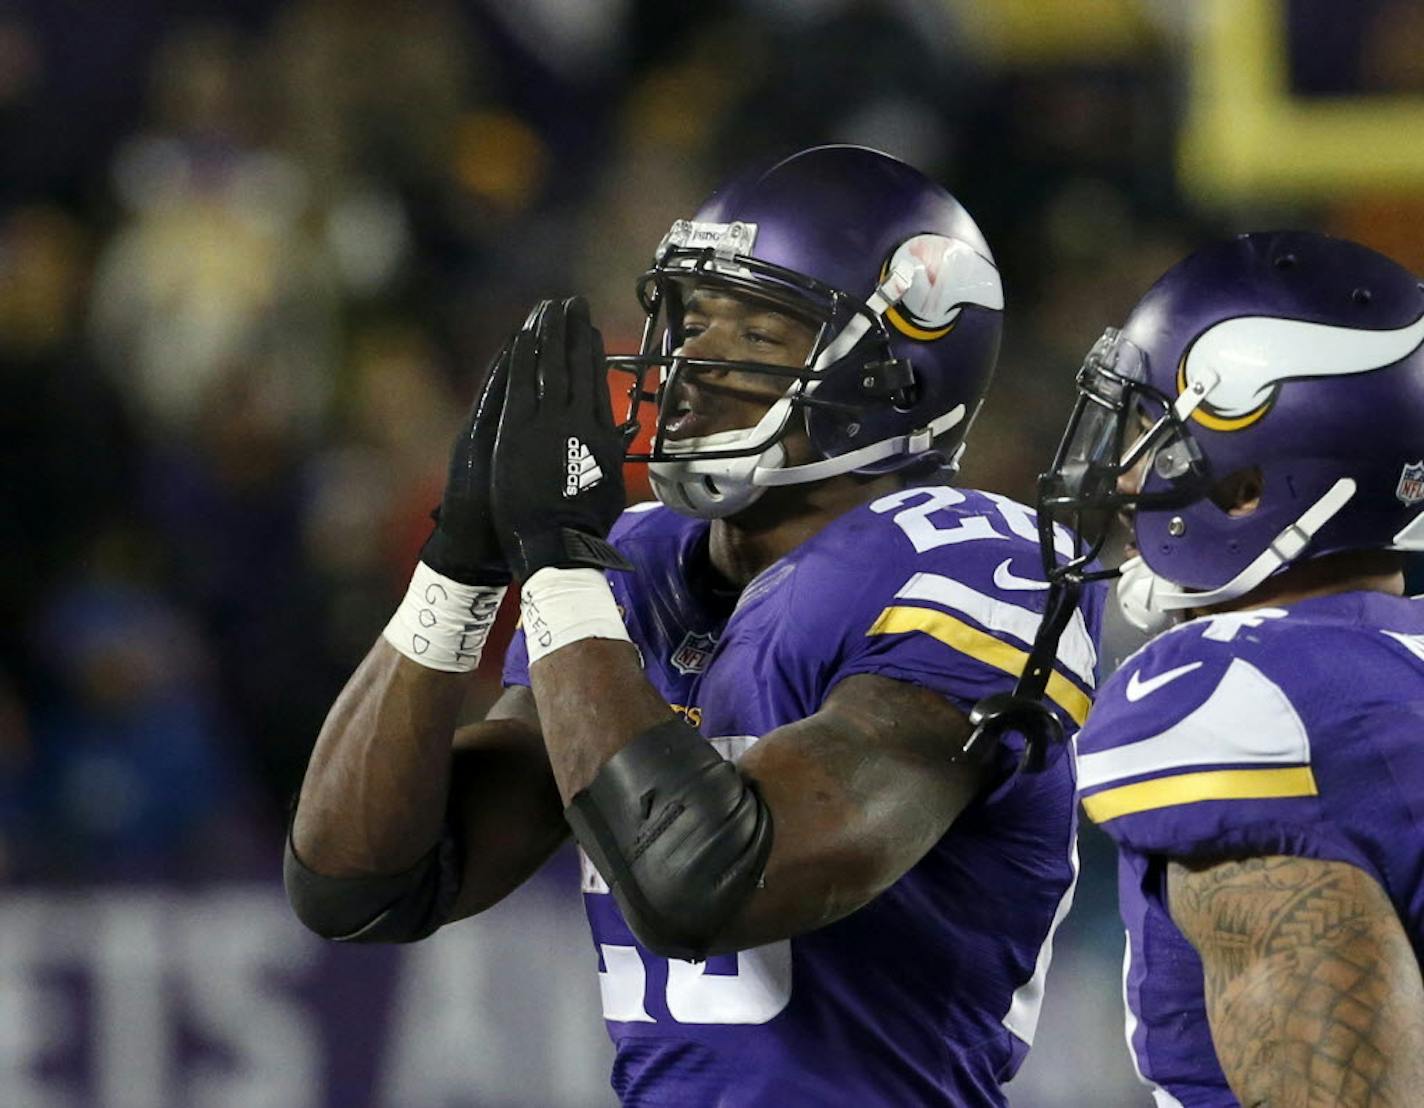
252 256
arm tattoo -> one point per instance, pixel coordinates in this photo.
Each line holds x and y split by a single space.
1313 992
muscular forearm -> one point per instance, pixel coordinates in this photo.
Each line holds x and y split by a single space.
374 796
1313 992
853 813
593 700
1340 1023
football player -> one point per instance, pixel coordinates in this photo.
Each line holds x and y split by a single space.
1259 420
748 701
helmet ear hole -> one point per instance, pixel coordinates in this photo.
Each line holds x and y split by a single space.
1239 494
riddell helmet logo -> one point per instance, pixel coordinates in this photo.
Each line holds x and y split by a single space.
949 273
581 470
1249 358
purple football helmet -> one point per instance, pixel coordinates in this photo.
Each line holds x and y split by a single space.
1292 353
894 276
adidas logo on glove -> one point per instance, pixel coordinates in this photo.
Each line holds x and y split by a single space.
581 471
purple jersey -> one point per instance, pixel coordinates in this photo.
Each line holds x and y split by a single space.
930 993
1269 731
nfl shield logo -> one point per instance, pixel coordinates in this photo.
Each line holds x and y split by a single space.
692 656
1411 483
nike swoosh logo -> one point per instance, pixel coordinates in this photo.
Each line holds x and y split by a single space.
1137 689
1004 579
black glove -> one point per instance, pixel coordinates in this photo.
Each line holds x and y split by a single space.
463 545
558 457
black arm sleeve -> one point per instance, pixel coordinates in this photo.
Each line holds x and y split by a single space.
396 908
678 833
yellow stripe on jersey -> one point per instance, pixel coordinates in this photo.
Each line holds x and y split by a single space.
1190 788
982 647
1076 654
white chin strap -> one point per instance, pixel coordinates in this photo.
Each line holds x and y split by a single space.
1149 602
711 488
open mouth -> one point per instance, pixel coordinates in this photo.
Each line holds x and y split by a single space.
695 413
686 420
697 410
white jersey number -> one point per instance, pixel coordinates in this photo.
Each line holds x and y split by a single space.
757 992
926 534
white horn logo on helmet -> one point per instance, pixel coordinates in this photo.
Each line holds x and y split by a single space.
1251 356
948 273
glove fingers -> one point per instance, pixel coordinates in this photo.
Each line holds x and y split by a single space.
463 544
586 367
579 351
553 354
489 401
557 483
523 391
536 313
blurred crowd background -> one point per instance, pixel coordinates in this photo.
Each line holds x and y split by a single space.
253 255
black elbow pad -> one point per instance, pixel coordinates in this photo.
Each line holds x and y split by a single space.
678 833
395 908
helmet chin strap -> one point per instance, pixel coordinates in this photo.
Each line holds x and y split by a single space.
1149 602
714 487
711 488
918 441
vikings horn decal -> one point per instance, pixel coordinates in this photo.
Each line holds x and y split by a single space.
949 273
1252 356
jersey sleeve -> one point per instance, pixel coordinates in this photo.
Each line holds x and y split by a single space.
960 617
1196 749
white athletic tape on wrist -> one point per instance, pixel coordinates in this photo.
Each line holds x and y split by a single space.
561 606
443 624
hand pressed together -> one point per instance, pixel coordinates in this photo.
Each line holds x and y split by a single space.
463 545
558 456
